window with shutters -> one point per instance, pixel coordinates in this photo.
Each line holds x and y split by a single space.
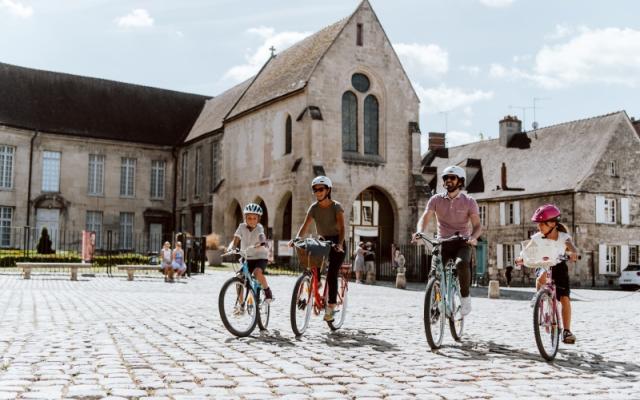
633 254
483 215
508 253
157 179
371 131
96 175
6 167
613 259
349 122
609 211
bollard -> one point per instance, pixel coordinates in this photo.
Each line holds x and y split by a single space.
401 280
494 289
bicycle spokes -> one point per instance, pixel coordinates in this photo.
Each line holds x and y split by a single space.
546 324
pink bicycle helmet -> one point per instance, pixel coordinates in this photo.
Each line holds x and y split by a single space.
547 212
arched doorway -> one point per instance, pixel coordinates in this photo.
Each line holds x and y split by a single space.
233 219
372 220
264 220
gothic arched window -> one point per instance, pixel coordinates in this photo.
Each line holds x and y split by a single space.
371 131
287 135
349 122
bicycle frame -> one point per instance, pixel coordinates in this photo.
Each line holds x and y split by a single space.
551 287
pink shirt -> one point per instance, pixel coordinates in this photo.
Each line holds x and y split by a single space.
453 215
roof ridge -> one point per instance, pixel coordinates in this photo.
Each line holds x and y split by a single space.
579 120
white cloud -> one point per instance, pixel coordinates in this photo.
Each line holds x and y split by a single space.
430 60
472 70
609 55
561 31
496 3
138 18
255 58
457 138
443 98
16 8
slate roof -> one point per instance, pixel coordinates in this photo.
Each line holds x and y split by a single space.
76 105
283 74
560 158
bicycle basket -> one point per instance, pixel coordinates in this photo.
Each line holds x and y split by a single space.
542 253
313 253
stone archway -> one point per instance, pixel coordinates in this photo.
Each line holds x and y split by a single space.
233 218
283 223
373 220
264 220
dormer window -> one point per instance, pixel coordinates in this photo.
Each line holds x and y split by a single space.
612 168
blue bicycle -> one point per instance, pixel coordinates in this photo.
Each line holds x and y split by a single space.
442 300
239 302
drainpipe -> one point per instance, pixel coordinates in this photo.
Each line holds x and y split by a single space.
33 138
174 152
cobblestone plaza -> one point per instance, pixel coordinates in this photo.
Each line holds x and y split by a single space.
107 337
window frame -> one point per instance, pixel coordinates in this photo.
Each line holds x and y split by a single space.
482 213
128 177
197 187
95 180
288 135
184 167
126 235
51 171
157 180
95 224
7 157
6 224
610 211
350 122
612 259
216 147
371 119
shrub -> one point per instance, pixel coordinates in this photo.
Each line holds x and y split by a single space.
213 241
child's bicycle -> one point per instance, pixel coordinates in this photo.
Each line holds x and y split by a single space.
547 324
442 299
239 302
306 297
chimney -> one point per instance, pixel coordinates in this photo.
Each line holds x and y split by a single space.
509 126
503 177
436 141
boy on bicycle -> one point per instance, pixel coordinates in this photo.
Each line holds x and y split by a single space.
328 216
250 235
547 217
456 213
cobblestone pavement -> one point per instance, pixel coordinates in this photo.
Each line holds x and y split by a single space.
107 337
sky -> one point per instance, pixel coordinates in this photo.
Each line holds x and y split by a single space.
471 62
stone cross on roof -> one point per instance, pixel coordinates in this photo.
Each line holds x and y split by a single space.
273 51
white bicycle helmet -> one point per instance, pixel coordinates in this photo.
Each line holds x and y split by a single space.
321 180
454 170
252 208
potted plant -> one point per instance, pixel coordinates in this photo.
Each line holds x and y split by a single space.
214 250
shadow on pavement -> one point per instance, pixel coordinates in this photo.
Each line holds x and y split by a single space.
567 360
269 336
358 338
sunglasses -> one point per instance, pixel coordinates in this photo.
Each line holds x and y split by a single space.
449 178
316 190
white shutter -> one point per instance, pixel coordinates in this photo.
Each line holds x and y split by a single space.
624 210
499 254
599 209
501 213
516 212
624 256
602 258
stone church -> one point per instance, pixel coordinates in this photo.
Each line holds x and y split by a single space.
84 153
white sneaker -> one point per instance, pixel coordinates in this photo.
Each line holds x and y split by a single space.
466 306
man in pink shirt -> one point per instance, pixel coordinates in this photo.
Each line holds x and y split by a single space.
456 213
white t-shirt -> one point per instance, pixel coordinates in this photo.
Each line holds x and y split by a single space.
250 238
560 244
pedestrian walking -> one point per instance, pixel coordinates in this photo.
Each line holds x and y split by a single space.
358 263
370 263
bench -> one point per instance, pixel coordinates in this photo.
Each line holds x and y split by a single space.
74 267
131 268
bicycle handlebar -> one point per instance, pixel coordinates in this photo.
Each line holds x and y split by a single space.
438 241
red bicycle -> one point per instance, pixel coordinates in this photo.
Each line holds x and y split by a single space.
306 297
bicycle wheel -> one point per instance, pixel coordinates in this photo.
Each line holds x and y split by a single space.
237 306
340 312
434 314
546 325
456 319
264 312
301 304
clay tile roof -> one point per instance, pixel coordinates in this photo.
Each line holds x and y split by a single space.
76 105
560 158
